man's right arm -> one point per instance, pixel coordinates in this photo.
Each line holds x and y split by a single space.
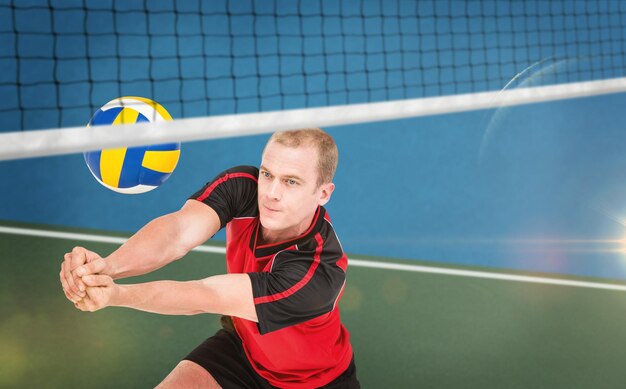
163 241
158 243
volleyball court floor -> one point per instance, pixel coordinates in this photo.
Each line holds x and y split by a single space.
409 327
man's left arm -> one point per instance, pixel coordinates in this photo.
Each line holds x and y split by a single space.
227 294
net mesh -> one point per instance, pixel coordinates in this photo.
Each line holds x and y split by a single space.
61 60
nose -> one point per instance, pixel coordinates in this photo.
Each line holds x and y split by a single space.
273 191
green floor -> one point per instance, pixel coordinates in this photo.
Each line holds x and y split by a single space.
408 329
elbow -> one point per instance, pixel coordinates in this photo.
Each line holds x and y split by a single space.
194 312
179 251
169 227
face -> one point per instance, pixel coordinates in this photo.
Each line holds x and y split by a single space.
288 191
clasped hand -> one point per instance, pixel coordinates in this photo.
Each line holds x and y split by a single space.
84 280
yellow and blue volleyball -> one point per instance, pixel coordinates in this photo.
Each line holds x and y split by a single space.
132 170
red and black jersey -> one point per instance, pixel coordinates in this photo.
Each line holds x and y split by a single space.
299 340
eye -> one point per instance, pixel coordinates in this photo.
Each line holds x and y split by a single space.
292 182
265 174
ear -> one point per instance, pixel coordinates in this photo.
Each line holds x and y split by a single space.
325 190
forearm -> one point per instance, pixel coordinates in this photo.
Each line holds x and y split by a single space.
163 297
229 294
154 246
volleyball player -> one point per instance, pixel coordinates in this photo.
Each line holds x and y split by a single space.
286 273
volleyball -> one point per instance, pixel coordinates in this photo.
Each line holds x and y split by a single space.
132 170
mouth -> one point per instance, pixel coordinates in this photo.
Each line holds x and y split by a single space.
270 209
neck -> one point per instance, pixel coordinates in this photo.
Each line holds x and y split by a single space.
275 236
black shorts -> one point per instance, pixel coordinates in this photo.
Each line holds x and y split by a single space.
223 356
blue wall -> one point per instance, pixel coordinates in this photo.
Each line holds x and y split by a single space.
537 187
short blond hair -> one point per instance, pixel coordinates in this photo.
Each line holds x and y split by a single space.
327 153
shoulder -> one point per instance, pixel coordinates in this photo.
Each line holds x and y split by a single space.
323 240
232 193
243 171
328 233
237 176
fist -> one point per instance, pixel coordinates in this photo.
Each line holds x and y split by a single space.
100 292
75 264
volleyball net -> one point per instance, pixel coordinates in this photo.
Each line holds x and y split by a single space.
231 68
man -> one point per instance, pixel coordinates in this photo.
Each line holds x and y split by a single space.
286 273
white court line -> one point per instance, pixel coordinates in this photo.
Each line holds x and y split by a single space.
352 261
482 274
89 237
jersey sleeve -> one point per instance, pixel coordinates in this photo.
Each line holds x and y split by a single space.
233 193
302 285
